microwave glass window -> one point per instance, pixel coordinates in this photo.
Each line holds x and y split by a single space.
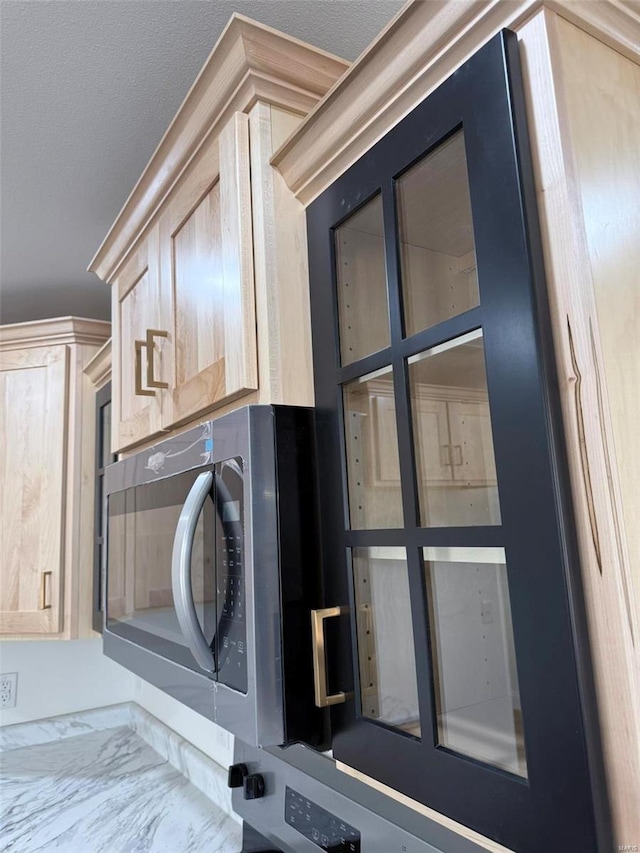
142 527
455 465
478 709
387 665
372 451
362 283
231 637
437 250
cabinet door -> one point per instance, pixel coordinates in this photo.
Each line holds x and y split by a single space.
458 672
33 399
139 354
471 443
207 278
434 462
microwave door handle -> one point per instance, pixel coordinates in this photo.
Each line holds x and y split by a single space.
181 571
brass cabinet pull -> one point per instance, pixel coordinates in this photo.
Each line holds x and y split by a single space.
152 382
140 391
320 659
43 590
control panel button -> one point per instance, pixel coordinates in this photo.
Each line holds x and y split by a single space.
253 787
237 774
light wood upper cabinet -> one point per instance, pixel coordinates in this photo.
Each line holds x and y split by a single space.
46 477
207 279
33 391
208 258
184 337
459 451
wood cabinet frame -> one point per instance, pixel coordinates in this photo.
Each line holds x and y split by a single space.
253 90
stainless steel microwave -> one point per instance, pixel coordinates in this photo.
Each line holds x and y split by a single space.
211 574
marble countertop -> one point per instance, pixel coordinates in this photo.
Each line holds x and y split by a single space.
105 791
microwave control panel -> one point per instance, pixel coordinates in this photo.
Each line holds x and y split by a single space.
231 635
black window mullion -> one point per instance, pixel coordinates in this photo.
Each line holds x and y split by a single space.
425 537
363 366
457 537
446 330
391 250
424 662
400 376
408 485
387 538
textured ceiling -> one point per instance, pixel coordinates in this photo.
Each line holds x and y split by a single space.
88 88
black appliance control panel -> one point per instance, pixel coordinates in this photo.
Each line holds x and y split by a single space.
231 636
319 825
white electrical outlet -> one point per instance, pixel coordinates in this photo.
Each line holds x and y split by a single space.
8 689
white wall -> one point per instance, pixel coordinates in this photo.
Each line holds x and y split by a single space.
205 735
61 678
65 677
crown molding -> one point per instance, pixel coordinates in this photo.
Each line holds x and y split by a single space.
61 330
422 46
250 61
98 369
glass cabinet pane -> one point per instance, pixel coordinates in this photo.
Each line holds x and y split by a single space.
455 463
437 250
476 684
389 690
362 283
371 440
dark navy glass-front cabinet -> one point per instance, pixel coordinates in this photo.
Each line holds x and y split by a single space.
456 659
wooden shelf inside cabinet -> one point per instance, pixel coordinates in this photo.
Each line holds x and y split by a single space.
46 477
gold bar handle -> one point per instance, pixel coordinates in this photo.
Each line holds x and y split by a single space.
320 659
140 391
43 590
152 382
